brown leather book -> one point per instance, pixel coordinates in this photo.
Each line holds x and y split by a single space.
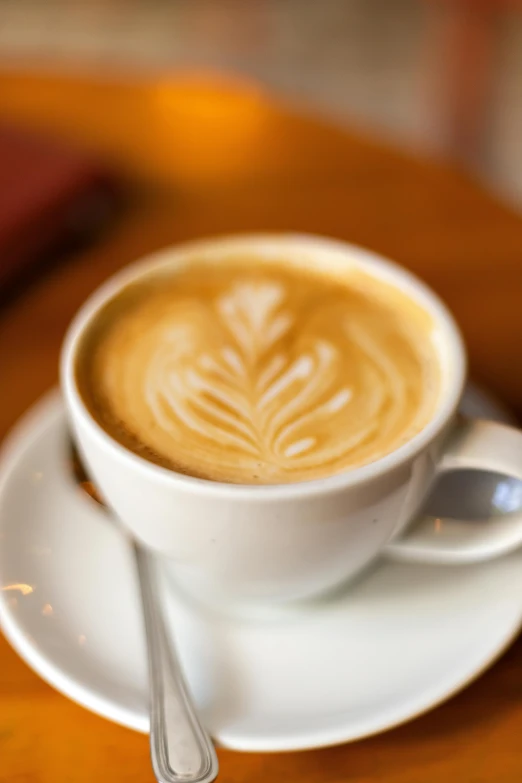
51 196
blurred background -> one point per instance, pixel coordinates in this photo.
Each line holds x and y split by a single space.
438 75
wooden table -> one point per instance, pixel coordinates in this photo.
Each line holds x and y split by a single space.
212 156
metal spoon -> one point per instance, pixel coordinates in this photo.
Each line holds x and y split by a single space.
181 749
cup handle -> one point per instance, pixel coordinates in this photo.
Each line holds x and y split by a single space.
473 445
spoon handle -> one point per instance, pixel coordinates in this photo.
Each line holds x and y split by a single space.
181 749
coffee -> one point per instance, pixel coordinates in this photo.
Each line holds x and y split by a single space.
258 372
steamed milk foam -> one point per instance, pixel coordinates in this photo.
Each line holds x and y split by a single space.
256 372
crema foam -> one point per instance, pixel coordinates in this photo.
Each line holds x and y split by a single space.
256 372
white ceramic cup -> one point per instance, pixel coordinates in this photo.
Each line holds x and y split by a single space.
291 541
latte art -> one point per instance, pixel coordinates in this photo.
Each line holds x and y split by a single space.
244 393
260 375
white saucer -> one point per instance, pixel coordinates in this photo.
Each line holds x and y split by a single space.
397 643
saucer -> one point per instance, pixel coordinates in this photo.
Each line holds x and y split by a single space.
399 641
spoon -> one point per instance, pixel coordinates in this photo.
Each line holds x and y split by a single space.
181 749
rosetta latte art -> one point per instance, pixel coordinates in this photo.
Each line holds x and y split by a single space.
250 385
264 410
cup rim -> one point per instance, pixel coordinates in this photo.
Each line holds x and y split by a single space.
385 268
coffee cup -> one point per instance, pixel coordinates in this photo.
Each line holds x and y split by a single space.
277 539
